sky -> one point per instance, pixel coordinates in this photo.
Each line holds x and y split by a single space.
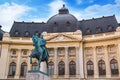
42 10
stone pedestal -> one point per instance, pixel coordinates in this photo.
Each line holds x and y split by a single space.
37 76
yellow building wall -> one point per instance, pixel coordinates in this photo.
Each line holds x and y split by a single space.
64 40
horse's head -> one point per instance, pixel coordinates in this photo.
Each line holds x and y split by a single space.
35 39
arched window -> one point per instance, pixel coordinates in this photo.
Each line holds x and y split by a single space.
16 33
23 69
68 23
55 23
51 67
109 28
90 68
88 31
114 66
98 29
101 67
61 68
27 34
34 66
72 68
12 69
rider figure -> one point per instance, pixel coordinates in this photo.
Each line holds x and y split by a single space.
42 44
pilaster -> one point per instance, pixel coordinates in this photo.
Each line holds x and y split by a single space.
77 63
56 62
108 71
18 67
118 58
66 63
80 49
4 57
4 61
29 65
95 63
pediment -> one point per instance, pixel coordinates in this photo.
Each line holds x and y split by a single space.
61 37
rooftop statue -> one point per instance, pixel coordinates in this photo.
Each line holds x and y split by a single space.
40 51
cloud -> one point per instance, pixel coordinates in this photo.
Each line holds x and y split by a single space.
10 12
55 6
78 1
97 10
117 2
94 10
14 12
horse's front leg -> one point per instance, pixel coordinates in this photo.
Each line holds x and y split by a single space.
47 67
39 61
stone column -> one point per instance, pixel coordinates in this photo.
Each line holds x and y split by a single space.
66 63
4 61
29 65
108 71
95 63
80 49
77 63
55 63
8 63
18 64
118 58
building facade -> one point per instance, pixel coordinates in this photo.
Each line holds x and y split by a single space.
79 50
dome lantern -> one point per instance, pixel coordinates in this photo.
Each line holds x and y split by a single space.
63 10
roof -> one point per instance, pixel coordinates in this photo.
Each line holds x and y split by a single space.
23 27
101 24
1 33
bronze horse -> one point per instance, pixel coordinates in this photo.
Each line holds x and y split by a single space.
40 51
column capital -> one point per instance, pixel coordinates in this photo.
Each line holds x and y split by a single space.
19 49
105 45
55 48
66 47
94 46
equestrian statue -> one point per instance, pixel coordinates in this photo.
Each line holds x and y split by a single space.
40 51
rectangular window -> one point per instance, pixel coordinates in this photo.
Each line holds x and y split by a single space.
71 51
111 48
51 51
14 52
61 51
88 51
99 49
